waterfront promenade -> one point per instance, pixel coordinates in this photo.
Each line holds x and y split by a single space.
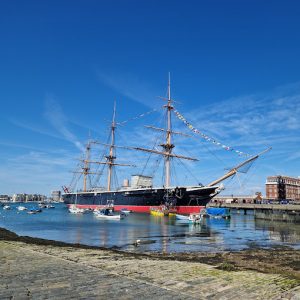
272 212
38 270
252 206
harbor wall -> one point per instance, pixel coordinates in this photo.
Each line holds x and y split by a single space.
272 212
277 215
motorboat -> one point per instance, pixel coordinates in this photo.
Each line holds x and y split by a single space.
6 207
76 210
107 214
195 218
217 213
20 208
97 211
181 217
159 211
34 211
50 206
125 211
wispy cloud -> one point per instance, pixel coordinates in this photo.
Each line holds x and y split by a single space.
16 145
59 122
34 128
131 87
54 114
36 172
255 120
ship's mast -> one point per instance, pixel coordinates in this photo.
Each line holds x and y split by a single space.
86 167
168 146
111 158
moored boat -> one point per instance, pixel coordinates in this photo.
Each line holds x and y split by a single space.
125 211
107 214
217 212
159 211
76 210
34 211
181 217
195 218
50 206
20 208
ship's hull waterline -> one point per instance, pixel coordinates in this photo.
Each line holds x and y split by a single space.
186 200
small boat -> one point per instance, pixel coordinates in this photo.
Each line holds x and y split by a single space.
88 210
160 211
172 214
218 213
6 207
125 211
34 211
76 210
96 211
21 208
50 206
195 218
181 217
156 213
107 214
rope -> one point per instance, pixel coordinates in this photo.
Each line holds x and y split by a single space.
137 117
206 137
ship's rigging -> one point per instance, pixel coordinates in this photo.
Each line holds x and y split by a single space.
167 153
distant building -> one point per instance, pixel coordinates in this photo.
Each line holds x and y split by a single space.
235 198
28 197
55 195
19 197
283 188
4 198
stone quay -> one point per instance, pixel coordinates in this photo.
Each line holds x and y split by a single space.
41 269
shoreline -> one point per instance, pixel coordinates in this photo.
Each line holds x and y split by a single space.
38 268
279 260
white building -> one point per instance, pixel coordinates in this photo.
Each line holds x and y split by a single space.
141 181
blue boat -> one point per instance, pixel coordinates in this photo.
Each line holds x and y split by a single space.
216 212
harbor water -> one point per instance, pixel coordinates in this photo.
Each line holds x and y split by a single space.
146 233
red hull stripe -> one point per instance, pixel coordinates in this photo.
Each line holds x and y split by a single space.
146 208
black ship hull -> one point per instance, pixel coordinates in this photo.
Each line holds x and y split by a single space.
184 199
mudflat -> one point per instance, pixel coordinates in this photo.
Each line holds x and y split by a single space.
32 268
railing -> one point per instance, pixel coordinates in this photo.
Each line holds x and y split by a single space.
289 207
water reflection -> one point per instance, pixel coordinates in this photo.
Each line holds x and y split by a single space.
161 234
280 231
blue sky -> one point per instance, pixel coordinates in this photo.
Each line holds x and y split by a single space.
234 69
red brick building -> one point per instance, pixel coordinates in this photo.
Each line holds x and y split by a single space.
283 187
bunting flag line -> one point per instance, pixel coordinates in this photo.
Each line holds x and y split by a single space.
206 137
137 117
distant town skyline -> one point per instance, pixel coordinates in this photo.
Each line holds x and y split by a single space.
234 76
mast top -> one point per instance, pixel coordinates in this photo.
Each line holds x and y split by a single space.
169 88
113 123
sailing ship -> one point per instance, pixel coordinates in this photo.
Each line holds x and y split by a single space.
142 196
